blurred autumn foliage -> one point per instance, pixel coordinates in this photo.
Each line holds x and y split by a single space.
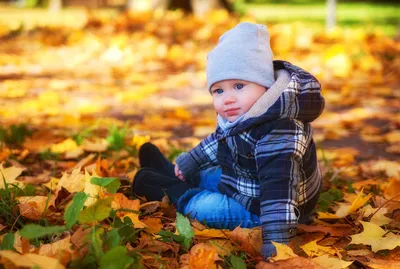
76 104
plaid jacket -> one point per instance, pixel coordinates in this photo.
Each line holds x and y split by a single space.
268 160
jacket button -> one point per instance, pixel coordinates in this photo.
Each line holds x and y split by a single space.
225 168
292 231
250 155
223 141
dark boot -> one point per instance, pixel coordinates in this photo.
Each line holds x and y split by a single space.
154 185
150 156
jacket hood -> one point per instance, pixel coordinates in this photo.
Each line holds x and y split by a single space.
296 94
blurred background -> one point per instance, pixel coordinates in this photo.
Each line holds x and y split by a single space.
66 65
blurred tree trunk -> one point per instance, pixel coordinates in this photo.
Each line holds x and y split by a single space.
187 5
330 14
55 5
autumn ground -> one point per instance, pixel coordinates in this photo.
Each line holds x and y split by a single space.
77 103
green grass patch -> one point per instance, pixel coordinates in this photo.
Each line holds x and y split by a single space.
369 16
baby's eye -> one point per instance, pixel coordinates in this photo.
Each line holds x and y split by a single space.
239 86
218 91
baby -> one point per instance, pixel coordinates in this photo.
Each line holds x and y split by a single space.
259 168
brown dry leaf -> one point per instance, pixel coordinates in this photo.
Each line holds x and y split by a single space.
380 263
223 246
21 244
203 256
250 240
154 225
391 189
360 184
156 246
333 231
10 174
33 207
293 263
80 240
2 227
30 260
121 201
156 262
149 207
60 250
359 252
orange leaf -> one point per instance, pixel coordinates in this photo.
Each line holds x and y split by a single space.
203 256
154 225
250 240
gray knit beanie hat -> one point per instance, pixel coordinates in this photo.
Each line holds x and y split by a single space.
244 53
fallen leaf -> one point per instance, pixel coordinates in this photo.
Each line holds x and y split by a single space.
149 207
359 252
203 256
31 260
293 263
373 236
33 207
344 209
9 174
330 262
153 225
120 201
360 184
250 240
333 231
99 145
380 263
379 217
93 191
283 252
73 182
211 233
313 249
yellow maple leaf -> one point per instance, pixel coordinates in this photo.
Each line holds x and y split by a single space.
73 182
283 252
313 249
30 260
68 145
52 184
345 209
93 191
9 174
379 217
373 236
330 262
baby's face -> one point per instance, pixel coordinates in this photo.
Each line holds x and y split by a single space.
233 98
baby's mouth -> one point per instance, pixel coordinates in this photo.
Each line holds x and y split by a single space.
232 111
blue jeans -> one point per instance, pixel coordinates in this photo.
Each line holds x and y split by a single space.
209 206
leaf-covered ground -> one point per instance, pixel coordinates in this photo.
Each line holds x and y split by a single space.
77 103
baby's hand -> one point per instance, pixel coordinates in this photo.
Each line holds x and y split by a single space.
178 173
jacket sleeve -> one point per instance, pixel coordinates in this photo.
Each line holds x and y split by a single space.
201 157
279 156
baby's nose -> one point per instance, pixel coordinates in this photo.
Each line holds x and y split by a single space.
230 99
